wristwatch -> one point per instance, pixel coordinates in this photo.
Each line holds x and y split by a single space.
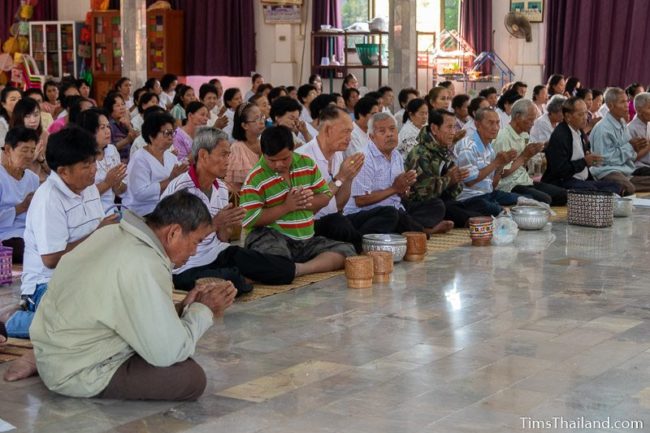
338 183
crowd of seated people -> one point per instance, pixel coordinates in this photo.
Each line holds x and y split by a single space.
156 180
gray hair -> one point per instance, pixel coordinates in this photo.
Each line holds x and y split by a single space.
480 113
612 94
555 104
182 208
378 117
641 100
207 138
520 108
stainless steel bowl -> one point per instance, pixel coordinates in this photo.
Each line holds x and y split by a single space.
623 207
395 244
530 217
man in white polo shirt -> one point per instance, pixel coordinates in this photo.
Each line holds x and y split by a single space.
327 151
64 211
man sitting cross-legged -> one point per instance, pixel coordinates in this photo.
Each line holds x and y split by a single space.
327 151
214 256
383 182
111 330
281 195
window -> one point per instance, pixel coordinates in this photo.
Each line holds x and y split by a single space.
354 11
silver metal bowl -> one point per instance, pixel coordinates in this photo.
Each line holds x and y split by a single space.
395 244
530 217
623 207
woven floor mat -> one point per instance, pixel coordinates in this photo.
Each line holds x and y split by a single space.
14 348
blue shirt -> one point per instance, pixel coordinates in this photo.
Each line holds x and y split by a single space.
377 173
473 152
611 140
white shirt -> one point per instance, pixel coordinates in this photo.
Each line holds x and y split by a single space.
12 193
212 119
166 99
56 217
137 121
358 142
210 247
4 128
603 110
541 130
578 153
504 119
305 115
144 175
327 170
248 95
638 128
111 159
399 117
408 138
138 144
312 131
470 127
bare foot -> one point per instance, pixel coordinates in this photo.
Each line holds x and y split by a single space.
7 311
443 226
22 368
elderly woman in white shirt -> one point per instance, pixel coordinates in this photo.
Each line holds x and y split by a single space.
17 186
546 123
153 167
415 118
111 172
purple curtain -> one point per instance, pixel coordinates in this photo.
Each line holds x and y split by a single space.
46 10
326 12
476 24
602 42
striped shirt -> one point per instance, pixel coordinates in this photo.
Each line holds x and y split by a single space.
265 188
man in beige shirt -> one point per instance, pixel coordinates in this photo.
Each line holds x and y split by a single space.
107 326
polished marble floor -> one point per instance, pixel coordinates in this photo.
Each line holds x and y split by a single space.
554 329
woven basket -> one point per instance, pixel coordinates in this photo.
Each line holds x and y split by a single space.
359 271
416 246
5 264
590 208
382 264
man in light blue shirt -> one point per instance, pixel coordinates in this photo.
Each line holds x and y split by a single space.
611 139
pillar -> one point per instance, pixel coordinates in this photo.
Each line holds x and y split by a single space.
133 14
402 39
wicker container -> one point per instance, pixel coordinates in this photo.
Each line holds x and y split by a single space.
5 264
590 208
216 282
382 265
480 230
416 246
359 271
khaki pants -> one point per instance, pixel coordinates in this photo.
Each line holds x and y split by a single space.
136 379
630 185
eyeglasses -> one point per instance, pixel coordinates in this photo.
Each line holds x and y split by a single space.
257 119
168 132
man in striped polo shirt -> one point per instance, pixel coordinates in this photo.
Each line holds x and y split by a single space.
281 195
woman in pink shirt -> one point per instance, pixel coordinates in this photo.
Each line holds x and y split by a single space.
245 152
197 116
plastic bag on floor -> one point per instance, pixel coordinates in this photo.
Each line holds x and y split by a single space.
505 230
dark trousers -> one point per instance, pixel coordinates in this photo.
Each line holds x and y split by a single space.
490 203
544 192
593 185
136 379
18 245
629 185
459 212
234 263
420 215
351 228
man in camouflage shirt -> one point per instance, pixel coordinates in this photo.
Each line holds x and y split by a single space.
437 174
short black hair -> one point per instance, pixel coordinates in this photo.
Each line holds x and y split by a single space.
284 105
214 81
254 77
151 110
303 91
150 84
75 108
319 103
537 89
596 92
290 89
89 119
229 95
193 107
446 84
474 105
582 92
241 114
121 81
331 112
569 105
375 95
347 93
167 80
276 92
313 77
509 97
82 82
364 106
33 91
182 208
207 88
517 84
4 93
458 100
487 92
110 101
145 98
275 139
137 94
153 124
64 86
20 134
264 86
181 90
437 117
403 95
70 146
412 107
384 89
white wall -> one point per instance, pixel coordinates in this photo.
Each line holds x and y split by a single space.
526 59
73 10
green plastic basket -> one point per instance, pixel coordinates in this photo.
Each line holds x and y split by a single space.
368 53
